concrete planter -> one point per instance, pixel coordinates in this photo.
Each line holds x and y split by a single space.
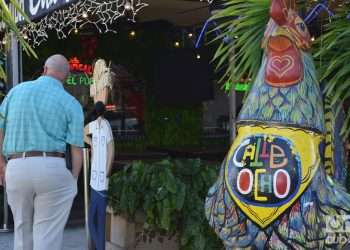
120 235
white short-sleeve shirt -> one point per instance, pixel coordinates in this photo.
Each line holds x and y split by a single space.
101 133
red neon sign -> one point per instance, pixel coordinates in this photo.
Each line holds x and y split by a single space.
111 107
75 65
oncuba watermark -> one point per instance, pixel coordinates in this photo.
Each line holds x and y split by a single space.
337 229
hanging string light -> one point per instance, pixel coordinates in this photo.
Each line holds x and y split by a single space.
128 5
132 33
101 15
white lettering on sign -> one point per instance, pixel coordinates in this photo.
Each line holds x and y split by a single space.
36 5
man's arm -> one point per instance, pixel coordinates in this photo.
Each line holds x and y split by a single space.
75 135
110 159
77 160
2 160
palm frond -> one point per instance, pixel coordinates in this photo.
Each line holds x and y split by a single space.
10 23
333 59
244 22
11 27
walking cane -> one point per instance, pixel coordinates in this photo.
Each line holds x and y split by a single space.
86 196
5 228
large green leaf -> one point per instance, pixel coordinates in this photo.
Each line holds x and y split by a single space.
245 22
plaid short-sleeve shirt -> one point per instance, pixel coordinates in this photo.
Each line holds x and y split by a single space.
40 116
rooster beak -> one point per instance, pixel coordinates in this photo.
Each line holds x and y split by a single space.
281 32
277 31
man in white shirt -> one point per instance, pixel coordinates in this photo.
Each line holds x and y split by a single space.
102 153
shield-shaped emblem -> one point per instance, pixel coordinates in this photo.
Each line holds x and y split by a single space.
268 168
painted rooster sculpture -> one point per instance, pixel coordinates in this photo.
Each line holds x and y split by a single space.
275 189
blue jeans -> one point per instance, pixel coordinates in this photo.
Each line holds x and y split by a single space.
97 218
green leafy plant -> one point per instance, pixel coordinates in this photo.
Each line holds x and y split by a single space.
170 196
333 56
244 23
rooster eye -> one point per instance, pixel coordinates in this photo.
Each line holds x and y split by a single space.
301 26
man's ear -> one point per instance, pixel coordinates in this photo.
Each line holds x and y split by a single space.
45 71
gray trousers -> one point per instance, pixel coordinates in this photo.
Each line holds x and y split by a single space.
40 193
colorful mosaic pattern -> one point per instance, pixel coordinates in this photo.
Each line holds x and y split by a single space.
281 185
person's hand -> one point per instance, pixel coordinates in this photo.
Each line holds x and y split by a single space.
2 171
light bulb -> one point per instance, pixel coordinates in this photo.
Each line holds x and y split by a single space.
128 6
177 44
132 33
198 56
190 35
85 15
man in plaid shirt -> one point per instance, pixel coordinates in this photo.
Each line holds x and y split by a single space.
38 119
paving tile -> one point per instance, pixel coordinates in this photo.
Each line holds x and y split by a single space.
73 239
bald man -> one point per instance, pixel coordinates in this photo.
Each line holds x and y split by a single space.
38 119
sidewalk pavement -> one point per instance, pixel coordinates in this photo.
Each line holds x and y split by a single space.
73 239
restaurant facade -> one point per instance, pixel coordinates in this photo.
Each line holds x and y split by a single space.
164 94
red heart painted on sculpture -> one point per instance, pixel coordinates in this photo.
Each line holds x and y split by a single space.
280 65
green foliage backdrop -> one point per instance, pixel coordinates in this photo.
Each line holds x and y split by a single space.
171 126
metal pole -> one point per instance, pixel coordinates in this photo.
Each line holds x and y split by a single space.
5 228
86 195
13 75
232 103
13 60
232 110
14 54
20 63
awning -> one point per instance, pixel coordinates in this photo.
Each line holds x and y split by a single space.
67 16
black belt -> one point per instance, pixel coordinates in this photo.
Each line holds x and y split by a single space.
36 153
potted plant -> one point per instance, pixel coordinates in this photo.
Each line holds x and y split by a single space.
165 201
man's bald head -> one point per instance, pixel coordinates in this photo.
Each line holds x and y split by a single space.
57 66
